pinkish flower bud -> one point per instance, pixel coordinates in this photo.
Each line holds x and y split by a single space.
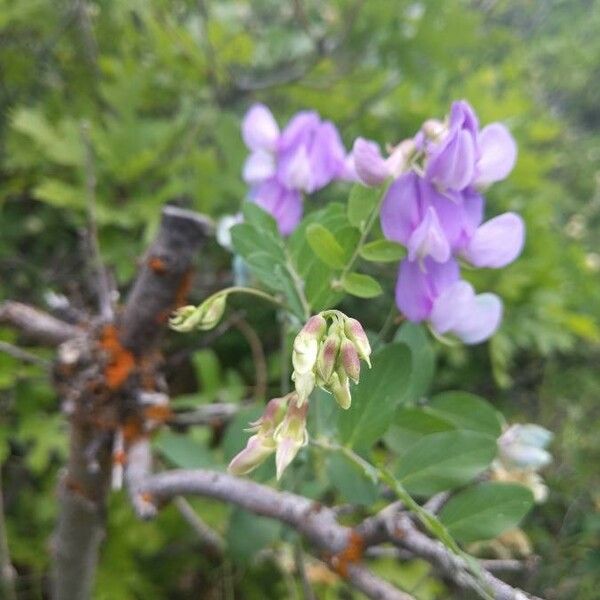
355 332
339 386
271 417
328 353
350 360
290 436
306 344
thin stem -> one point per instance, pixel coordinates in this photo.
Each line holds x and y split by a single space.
7 571
102 283
431 523
250 292
298 284
23 355
364 234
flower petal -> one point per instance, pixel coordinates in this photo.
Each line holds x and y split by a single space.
483 320
284 205
259 129
452 163
428 239
370 166
401 212
497 242
497 154
453 306
420 283
259 166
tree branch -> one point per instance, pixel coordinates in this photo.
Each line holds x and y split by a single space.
316 522
37 325
101 400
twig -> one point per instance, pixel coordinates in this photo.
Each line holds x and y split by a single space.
210 539
205 415
7 571
103 287
23 355
258 357
435 503
39 326
315 522
307 590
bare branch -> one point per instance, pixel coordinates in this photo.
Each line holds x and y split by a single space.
316 522
23 355
103 288
37 325
7 571
405 534
210 539
210 414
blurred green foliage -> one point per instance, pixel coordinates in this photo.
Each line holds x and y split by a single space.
162 86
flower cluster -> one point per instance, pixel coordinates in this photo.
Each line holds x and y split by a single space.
324 354
328 356
434 208
521 454
281 429
303 158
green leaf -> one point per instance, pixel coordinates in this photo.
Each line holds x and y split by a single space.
363 286
183 450
466 411
258 218
249 533
423 359
442 461
410 425
350 481
486 510
325 246
375 399
361 203
382 251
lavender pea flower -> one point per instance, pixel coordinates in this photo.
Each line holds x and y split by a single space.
435 293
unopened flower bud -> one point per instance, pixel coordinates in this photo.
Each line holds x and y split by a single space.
328 353
355 332
306 344
290 436
523 447
339 385
271 417
350 360
399 161
304 384
434 128
203 317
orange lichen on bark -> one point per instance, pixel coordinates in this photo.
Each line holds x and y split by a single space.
158 265
350 555
133 429
121 361
183 290
158 412
119 458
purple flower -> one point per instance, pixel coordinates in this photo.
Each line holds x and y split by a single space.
283 204
370 166
461 155
434 292
305 157
416 215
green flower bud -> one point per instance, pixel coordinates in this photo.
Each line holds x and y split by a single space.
203 317
339 386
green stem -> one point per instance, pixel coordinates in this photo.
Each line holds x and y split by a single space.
250 292
431 523
364 234
298 285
